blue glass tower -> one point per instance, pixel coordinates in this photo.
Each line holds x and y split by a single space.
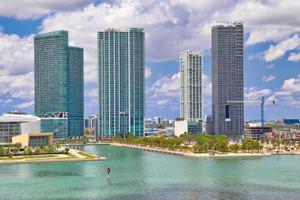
121 82
58 76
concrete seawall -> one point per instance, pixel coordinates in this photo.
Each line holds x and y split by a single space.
196 155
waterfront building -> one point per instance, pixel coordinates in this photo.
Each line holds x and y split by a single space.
191 85
33 139
121 82
58 82
187 126
190 91
227 79
16 124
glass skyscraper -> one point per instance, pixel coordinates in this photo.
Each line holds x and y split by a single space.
58 76
121 82
227 79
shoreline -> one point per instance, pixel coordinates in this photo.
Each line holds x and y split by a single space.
73 156
189 154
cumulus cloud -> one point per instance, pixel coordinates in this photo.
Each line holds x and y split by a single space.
268 78
17 86
16 54
292 85
295 57
254 93
289 93
279 50
37 8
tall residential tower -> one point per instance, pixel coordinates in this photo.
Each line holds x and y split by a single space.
58 82
227 79
190 85
121 82
190 92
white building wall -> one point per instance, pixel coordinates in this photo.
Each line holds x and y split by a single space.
31 127
181 126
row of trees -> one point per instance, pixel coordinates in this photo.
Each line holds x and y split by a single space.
199 144
14 151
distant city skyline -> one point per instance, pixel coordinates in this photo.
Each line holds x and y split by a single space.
271 53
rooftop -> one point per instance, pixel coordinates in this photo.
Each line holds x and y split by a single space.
17 118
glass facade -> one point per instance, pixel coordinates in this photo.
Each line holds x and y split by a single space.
58 75
38 141
75 91
57 126
9 130
121 82
227 79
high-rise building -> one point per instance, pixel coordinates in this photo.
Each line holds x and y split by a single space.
227 79
121 82
191 89
58 82
190 85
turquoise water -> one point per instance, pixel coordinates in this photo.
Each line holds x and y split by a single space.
152 176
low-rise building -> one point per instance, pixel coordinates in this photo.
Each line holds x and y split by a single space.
33 139
187 126
256 132
12 124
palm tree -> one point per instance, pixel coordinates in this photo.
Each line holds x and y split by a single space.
2 151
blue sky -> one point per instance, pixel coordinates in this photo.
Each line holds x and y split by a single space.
271 57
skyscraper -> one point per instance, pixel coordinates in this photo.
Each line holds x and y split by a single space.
190 85
121 82
58 82
191 90
227 79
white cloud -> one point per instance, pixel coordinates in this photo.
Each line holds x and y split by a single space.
279 50
17 86
254 93
167 86
37 8
292 85
25 105
148 72
162 102
289 93
268 78
295 57
16 54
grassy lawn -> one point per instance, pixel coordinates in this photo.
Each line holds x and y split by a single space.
28 157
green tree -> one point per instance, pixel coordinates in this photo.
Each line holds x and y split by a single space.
67 150
2 151
221 143
234 148
205 143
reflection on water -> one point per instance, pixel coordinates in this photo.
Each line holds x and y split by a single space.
138 175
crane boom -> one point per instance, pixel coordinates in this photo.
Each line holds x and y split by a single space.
262 102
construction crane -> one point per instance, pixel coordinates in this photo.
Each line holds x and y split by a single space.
262 103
